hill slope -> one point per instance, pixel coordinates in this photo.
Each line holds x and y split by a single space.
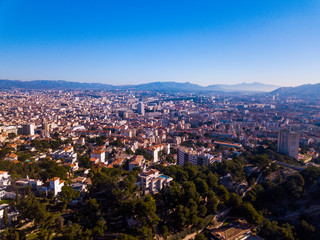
303 90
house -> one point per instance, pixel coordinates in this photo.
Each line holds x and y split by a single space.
94 161
5 179
53 184
2 193
2 207
12 157
80 184
137 161
100 154
238 229
67 154
152 181
116 162
73 166
34 183
154 150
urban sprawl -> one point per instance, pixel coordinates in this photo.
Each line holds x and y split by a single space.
85 164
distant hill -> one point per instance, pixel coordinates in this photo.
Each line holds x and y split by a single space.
154 86
303 90
169 86
245 87
48 84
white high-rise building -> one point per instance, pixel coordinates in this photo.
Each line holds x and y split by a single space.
288 143
140 108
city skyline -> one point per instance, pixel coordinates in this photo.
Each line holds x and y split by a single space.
205 43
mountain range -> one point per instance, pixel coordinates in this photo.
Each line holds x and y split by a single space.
303 90
311 90
153 86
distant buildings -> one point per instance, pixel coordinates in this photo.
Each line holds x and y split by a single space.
226 144
288 143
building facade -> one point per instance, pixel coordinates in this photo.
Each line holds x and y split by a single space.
288 143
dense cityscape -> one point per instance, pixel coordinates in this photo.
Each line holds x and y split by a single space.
159 120
127 164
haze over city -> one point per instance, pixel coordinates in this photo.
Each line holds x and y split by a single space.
134 42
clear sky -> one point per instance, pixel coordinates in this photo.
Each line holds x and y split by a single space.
131 42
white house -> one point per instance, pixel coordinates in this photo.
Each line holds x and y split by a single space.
34 183
100 154
152 181
54 184
155 149
5 179
67 154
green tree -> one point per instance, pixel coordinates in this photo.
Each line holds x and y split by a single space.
305 230
190 191
67 194
127 237
235 200
251 214
294 185
200 236
100 228
174 194
202 211
5 217
202 186
223 193
144 211
145 233
212 202
164 231
181 216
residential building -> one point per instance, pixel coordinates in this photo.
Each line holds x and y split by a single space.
67 154
137 161
193 156
154 151
53 184
5 179
27 129
152 181
100 154
140 108
34 183
288 143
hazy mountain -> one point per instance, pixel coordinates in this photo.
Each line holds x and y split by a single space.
48 84
246 87
303 90
169 86
159 86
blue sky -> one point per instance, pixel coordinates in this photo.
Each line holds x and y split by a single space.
131 42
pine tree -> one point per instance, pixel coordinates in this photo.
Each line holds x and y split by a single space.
5 217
